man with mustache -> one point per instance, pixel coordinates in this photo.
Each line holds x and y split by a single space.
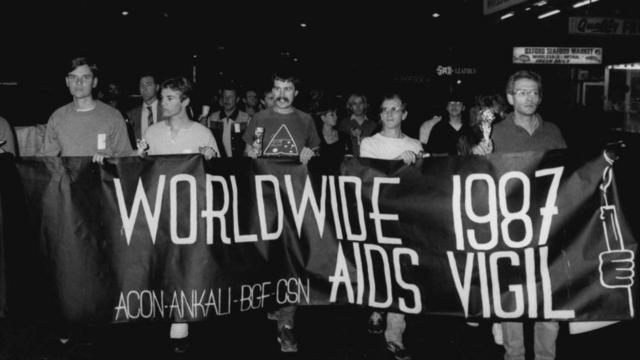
391 144
288 132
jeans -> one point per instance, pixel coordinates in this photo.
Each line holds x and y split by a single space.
544 337
396 324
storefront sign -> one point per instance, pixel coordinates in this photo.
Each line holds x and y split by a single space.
557 55
455 70
603 26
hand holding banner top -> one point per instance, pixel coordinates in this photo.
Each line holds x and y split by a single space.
617 263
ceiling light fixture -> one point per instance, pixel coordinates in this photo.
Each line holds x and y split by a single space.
583 3
125 13
631 66
435 15
548 13
507 15
540 3
303 25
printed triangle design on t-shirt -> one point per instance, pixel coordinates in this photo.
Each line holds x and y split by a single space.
281 143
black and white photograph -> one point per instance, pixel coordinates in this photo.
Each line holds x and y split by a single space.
450 179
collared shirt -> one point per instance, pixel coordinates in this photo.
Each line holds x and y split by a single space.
234 122
508 137
367 128
187 141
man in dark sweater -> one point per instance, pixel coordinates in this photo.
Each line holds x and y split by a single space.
524 130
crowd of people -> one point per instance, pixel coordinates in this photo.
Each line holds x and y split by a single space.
165 122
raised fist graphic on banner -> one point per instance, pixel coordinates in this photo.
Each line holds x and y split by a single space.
617 266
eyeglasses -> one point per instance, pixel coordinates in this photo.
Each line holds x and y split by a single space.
525 93
391 110
83 78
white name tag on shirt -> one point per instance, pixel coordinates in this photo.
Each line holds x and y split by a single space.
236 127
102 141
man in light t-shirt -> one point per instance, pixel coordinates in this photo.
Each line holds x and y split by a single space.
178 134
391 144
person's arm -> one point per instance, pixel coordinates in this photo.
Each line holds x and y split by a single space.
50 144
561 143
312 142
248 139
7 142
121 143
142 145
436 143
408 157
426 127
204 115
210 150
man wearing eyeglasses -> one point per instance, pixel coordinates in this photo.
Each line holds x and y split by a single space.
85 126
391 144
524 130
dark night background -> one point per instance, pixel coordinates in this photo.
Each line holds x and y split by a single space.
346 46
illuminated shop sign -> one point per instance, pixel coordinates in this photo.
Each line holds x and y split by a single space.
557 55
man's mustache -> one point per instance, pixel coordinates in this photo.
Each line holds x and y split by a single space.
282 99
